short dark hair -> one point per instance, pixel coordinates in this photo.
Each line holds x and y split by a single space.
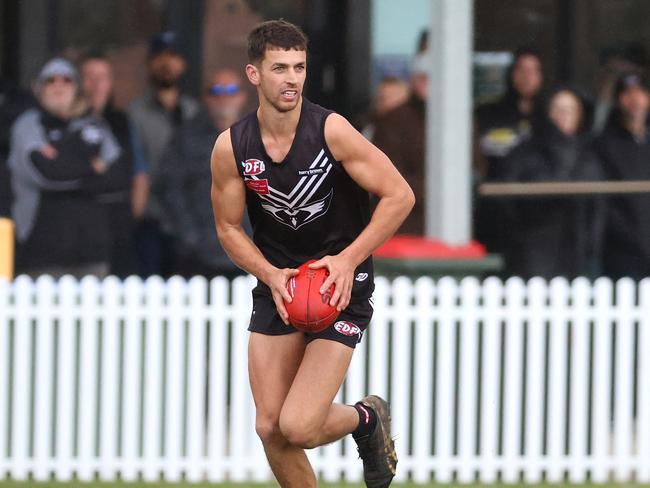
275 33
93 55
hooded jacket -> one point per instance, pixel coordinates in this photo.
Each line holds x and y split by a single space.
554 236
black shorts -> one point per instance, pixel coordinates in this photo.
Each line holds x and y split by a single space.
348 328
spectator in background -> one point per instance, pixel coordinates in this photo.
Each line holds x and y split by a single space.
400 133
499 127
59 153
390 93
129 172
156 116
624 149
616 60
555 236
184 181
13 102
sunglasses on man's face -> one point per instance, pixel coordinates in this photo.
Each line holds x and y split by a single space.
54 79
227 89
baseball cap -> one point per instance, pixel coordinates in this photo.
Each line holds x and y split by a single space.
57 67
630 80
163 41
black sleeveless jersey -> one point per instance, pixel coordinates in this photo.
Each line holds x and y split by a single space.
306 206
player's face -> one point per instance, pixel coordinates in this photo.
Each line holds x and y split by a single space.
281 78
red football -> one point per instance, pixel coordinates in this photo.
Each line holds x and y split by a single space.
310 311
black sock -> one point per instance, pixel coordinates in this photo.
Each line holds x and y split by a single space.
367 421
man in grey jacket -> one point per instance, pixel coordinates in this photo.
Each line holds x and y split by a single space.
156 115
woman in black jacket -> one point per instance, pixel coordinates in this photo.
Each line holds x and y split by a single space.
555 236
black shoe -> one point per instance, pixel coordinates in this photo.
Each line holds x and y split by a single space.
377 449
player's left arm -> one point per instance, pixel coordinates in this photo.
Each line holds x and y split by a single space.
371 169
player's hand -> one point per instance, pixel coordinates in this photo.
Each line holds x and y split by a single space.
278 285
341 271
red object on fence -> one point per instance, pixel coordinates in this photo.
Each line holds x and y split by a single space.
416 247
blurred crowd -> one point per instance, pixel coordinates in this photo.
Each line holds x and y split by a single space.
95 190
537 133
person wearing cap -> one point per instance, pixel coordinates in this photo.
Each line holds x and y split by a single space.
156 115
624 150
400 134
59 155
184 180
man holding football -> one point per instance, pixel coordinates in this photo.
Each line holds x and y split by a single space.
304 174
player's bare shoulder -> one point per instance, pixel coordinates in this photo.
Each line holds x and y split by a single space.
222 160
343 140
337 133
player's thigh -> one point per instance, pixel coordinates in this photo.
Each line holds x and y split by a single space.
317 381
272 365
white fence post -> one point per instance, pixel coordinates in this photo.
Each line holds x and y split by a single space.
66 373
602 381
22 363
44 384
174 362
579 391
197 360
218 431
513 387
559 294
131 384
112 314
87 395
624 379
401 365
5 397
445 354
490 376
643 385
535 347
423 381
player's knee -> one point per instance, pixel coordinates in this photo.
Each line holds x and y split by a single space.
299 431
268 429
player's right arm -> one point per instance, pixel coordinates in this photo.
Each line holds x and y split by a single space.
229 203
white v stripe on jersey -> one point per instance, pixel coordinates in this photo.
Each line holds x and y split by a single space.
274 198
320 182
306 187
302 180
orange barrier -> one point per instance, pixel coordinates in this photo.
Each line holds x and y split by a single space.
6 248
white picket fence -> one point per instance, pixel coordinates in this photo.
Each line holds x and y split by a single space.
487 380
